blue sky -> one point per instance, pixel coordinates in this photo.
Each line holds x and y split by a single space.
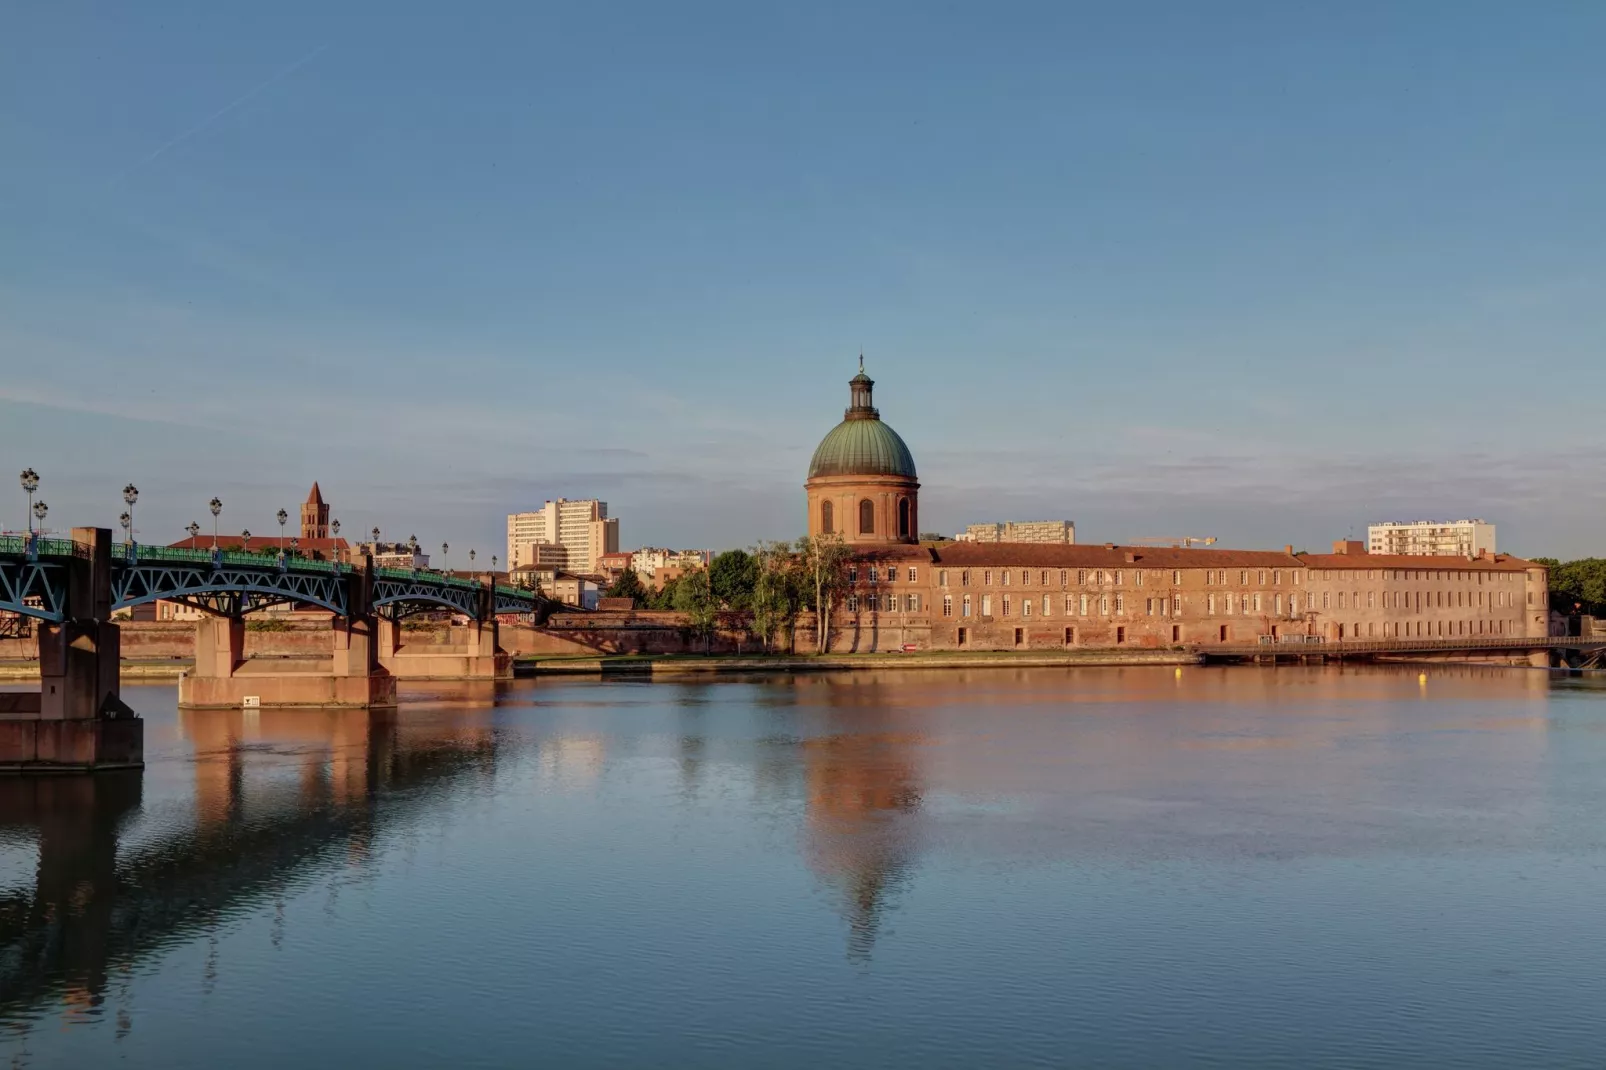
1263 271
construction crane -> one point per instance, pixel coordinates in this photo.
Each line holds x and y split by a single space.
1179 542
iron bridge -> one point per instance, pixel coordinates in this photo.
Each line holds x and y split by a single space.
35 575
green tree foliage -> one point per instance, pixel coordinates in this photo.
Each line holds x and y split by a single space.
733 575
628 585
695 598
777 591
1577 583
823 561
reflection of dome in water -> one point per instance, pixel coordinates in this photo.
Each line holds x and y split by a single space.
863 797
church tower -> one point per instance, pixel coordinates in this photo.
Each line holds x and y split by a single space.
315 516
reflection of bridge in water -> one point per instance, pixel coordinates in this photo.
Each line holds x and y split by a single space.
93 911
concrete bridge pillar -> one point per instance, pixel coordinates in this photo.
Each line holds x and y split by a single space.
219 647
77 719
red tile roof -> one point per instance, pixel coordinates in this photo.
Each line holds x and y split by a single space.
316 497
1492 563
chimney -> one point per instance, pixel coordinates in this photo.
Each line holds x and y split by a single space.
1289 549
1109 546
1131 557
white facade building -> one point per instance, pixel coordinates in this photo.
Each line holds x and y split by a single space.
1442 538
1054 531
581 526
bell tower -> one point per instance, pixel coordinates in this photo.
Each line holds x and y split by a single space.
315 516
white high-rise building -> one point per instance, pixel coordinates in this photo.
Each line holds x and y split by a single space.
1432 538
581 527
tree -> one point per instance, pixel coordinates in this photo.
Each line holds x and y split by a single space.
695 598
1577 583
628 585
823 559
732 576
775 599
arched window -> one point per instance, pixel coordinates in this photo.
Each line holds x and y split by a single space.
827 519
867 517
903 518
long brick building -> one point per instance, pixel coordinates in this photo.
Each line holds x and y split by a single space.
1005 596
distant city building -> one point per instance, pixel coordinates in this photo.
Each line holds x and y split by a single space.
1053 531
395 555
612 566
1431 538
581 527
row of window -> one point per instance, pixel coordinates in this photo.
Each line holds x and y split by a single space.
867 517
1420 575
875 574
1419 600
1421 629
889 602
1113 577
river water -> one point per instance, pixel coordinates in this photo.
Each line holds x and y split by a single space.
1231 867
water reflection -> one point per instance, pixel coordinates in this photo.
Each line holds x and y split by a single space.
276 794
618 859
861 766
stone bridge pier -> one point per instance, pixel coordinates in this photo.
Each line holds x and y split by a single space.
77 720
351 676
471 652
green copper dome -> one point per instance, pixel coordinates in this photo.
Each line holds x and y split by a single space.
861 445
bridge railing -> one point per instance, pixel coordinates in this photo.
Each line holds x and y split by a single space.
427 576
196 555
18 544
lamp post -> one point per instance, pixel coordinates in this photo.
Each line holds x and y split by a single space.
295 546
493 564
375 534
194 529
245 540
471 562
127 520
39 511
412 549
445 561
30 483
334 534
283 516
130 496
217 507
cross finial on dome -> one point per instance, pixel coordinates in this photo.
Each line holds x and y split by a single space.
861 360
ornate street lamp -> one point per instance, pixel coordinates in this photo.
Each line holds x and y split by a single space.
130 496
39 511
334 533
194 529
283 516
217 507
444 559
375 534
245 540
30 483
295 545
127 520
493 564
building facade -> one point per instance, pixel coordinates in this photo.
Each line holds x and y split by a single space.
862 483
1051 531
1016 594
581 527
1431 538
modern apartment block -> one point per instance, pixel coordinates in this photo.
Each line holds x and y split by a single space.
1431 538
578 528
1051 531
